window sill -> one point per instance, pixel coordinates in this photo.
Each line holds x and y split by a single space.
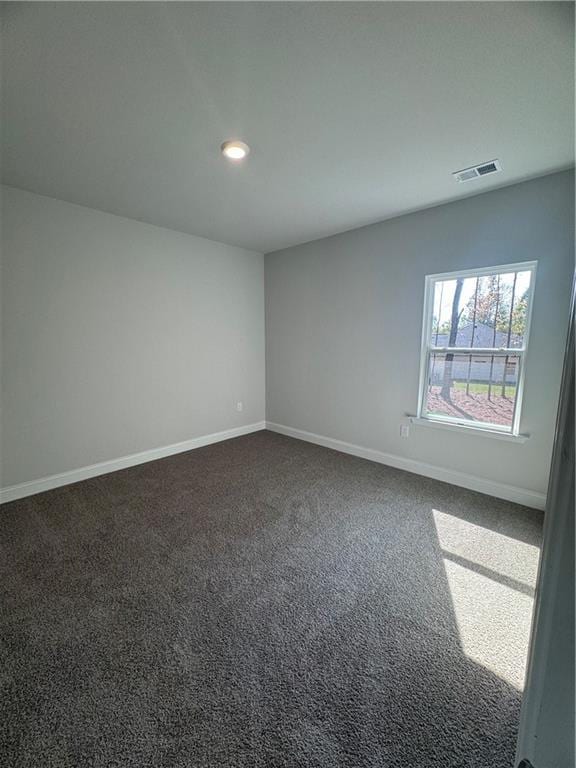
464 428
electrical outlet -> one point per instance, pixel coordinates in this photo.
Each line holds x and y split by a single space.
239 406
404 430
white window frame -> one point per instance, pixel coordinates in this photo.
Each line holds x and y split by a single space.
427 348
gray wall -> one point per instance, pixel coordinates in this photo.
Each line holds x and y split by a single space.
119 336
344 317
546 733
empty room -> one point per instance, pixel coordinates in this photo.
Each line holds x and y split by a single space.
287 385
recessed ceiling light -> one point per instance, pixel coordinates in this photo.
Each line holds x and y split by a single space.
235 150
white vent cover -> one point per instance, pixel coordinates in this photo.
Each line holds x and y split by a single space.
477 171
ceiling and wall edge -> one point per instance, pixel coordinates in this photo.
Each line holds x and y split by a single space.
529 178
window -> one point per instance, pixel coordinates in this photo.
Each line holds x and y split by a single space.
474 344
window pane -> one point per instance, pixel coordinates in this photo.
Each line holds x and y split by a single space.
475 388
487 311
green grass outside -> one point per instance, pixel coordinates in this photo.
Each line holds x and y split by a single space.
481 388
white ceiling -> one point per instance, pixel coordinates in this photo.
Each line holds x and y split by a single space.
355 112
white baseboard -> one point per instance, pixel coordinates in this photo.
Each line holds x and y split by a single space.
13 492
472 482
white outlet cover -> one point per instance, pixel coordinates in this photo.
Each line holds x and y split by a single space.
239 406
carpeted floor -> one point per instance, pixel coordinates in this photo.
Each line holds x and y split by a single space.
263 602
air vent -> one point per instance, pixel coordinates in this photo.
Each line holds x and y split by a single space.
477 171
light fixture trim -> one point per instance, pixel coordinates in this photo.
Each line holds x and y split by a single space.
235 150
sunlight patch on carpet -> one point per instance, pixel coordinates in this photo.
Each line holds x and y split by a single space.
491 577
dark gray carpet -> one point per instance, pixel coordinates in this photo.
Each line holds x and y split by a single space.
259 602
